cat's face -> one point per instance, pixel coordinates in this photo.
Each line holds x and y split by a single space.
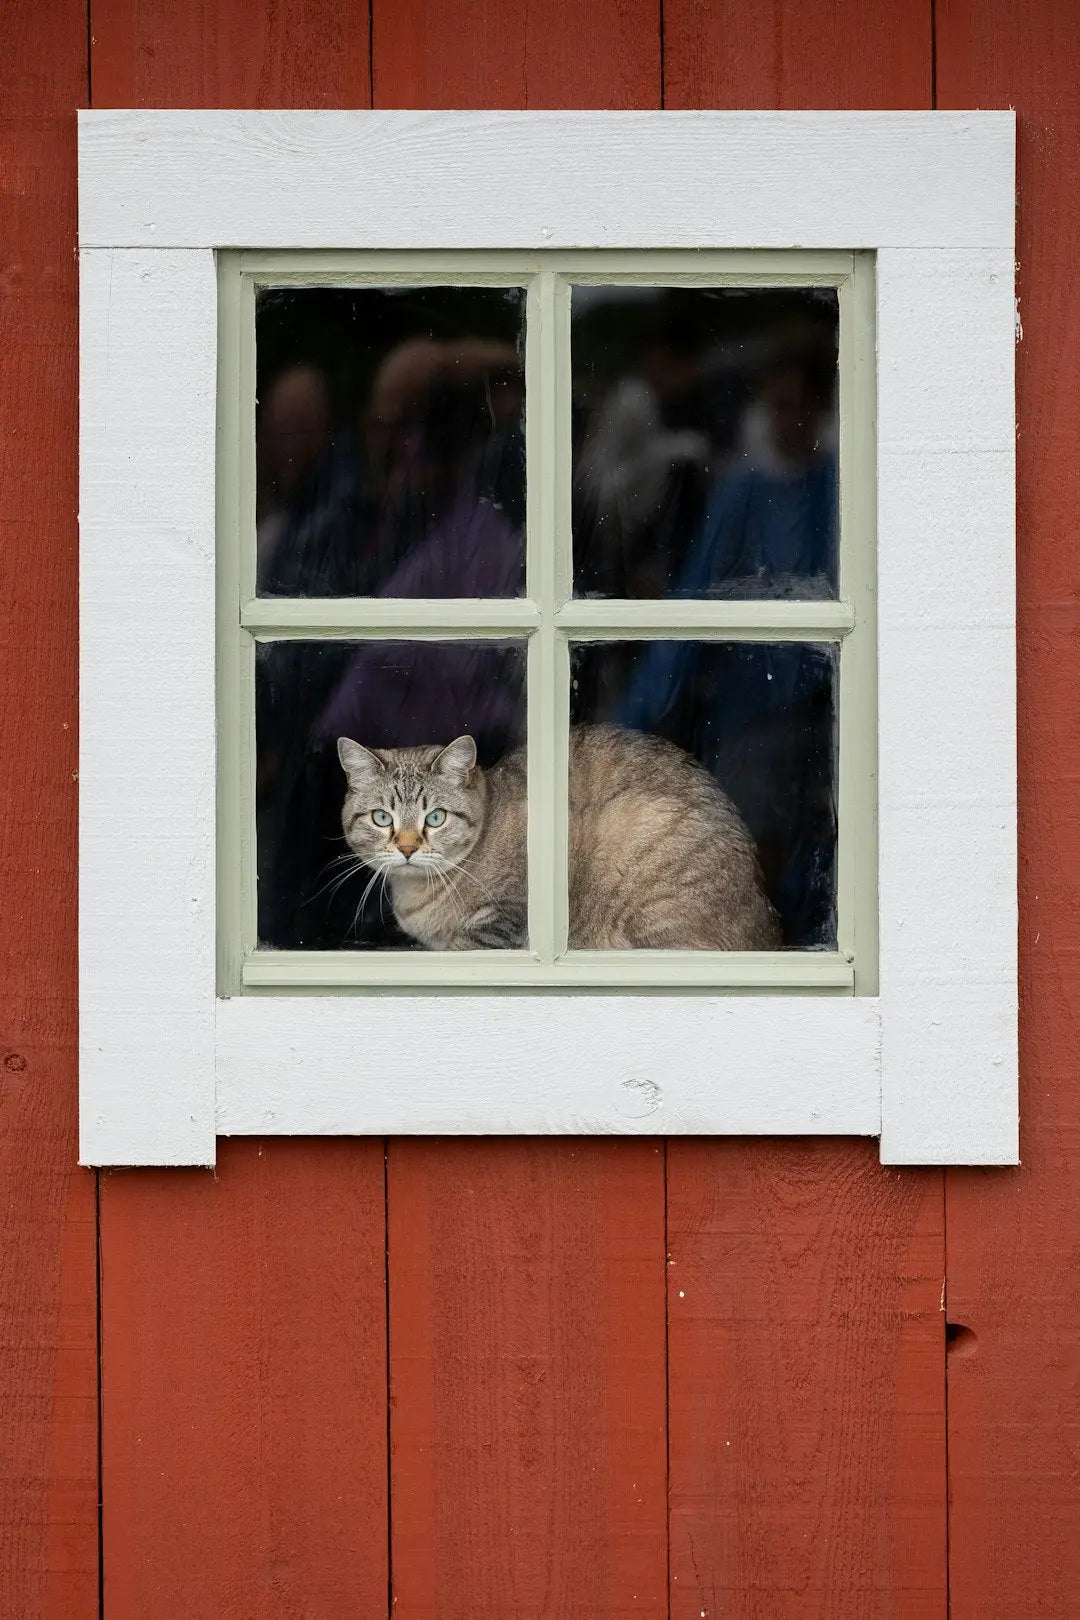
412 809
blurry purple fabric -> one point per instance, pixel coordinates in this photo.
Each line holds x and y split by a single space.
437 689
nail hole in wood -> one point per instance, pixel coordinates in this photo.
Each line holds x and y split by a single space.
959 1340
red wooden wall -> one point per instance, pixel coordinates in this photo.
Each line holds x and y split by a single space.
529 1378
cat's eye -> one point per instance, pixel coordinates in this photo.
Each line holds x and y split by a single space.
382 818
434 818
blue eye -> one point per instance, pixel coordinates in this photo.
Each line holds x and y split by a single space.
382 818
434 818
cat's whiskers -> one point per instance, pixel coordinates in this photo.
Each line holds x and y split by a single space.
378 871
455 866
337 880
451 893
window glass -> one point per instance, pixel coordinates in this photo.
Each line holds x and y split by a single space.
704 441
390 454
760 717
325 845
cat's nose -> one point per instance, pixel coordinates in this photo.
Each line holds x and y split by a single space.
408 843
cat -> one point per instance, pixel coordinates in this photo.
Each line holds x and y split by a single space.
658 855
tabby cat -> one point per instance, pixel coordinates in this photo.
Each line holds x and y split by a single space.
659 858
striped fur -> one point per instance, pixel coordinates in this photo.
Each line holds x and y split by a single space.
659 857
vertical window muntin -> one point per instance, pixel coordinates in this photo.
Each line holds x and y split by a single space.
551 620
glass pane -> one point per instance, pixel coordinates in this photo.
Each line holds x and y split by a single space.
704 441
670 857
447 870
390 451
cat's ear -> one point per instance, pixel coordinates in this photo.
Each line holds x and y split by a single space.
358 763
457 760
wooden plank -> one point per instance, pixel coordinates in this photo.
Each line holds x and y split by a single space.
529 181
48 1333
526 1297
806 1383
230 53
527 1378
483 53
244 1385
810 1334
1013 1283
727 53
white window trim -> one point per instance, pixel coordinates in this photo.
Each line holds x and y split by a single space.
929 1063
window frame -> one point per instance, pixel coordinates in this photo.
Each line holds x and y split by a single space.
550 620
928 1062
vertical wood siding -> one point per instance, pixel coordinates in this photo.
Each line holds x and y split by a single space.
519 1378
48 1333
1014 1237
243 1357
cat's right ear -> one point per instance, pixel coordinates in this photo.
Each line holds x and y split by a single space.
358 763
457 760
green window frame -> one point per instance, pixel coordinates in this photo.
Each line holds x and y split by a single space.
549 619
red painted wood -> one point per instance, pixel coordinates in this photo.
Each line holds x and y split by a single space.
48 1336
244 1385
244 1314
797 53
526 1299
527 1388
807 1383
806 1337
230 53
1014 1420
485 53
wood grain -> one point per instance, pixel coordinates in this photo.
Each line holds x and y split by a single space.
812 1316
806 1401
244 1384
243 1314
484 53
527 1378
780 53
552 179
48 1336
1013 1274
230 53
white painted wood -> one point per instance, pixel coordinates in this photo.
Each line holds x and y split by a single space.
146 829
546 179
933 193
946 337
547 1065
946 721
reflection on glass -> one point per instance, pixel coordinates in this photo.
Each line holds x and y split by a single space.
333 872
761 719
389 441
704 442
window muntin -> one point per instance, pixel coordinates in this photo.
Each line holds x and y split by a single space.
554 621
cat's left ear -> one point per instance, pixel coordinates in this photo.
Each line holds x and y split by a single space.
457 760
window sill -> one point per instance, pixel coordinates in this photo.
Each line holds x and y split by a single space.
599 970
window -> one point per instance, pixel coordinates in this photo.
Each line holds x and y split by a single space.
522 497
547 549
